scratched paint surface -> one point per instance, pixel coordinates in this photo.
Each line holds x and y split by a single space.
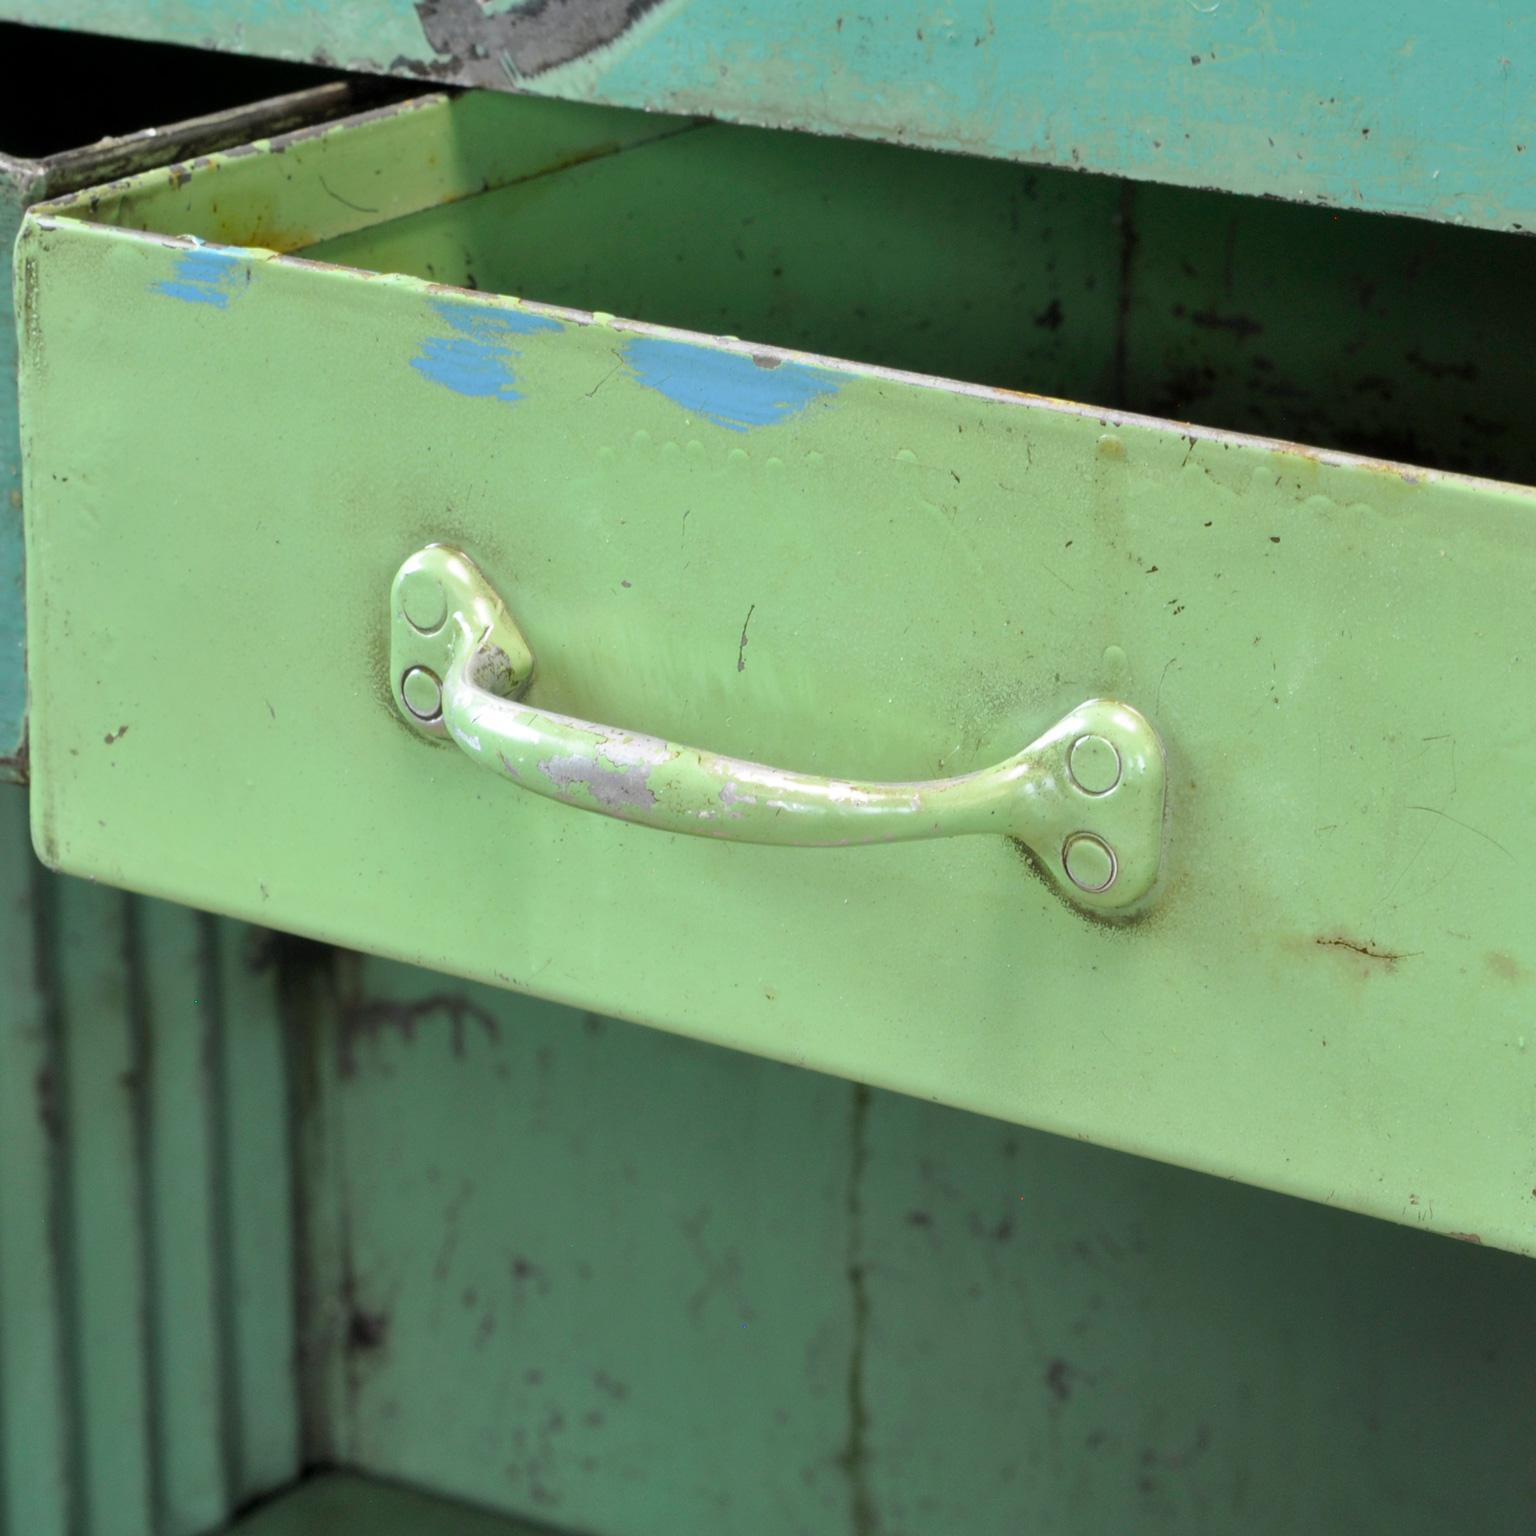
1409 106
1334 995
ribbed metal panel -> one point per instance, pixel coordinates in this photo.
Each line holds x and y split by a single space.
147 1361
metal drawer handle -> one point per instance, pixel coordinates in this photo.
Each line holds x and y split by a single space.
1086 798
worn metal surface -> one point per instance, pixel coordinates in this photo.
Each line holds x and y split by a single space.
1396 105
1086 799
625 1284
1333 999
35 165
147 1383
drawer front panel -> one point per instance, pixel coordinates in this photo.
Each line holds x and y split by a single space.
835 570
45 153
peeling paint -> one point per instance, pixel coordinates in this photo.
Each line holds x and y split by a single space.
614 788
731 389
480 360
527 37
207 274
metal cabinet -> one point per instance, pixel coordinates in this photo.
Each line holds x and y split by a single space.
1133 578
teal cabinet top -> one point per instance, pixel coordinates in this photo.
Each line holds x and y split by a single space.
1406 106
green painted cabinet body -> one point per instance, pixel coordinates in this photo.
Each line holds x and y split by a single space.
1402 106
253 386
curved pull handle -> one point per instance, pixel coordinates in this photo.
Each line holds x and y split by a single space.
1086 797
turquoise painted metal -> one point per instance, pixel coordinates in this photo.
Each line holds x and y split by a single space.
615 1281
49 157
147 1219
1087 799
1400 106
1331 995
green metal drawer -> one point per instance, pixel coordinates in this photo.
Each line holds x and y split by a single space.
1405 106
255 386
47 149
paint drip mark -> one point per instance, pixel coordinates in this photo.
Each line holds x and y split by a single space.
731 389
207 274
480 360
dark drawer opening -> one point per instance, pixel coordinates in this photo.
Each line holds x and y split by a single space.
1390 337
131 86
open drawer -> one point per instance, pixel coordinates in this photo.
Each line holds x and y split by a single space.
1264 912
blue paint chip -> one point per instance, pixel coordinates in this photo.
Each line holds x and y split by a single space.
482 320
207 274
731 389
478 361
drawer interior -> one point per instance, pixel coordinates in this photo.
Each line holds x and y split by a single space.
1382 336
1386 337
133 86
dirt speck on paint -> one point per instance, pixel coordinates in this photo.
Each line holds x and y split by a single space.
1058 1380
1505 966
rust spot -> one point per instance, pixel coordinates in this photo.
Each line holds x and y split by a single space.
1505 966
1058 1379
1238 325
1367 950
1466 372
1466 1237
45 1086
366 1331
368 1018
741 648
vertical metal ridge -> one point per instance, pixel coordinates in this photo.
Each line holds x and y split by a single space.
307 982
62 1245
258 1147
39 1414
216 1075
144 1106
101 1085
192 1493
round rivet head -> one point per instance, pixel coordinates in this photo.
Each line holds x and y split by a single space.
1094 763
423 693
1089 862
423 602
